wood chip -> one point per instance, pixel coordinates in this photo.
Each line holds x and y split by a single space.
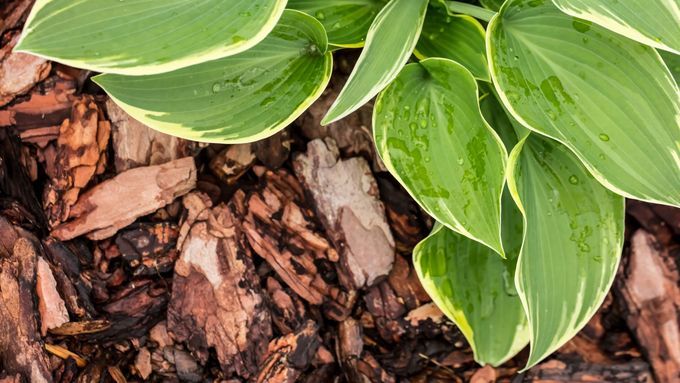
51 307
19 72
143 363
80 154
287 357
216 298
20 342
652 298
346 197
232 162
357 364
556 371
281 229
135 144
117 202
45 108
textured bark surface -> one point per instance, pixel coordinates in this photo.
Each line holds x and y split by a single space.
288 356
652 298
216 299
135 144
346 197
281 230
118 202
80 155
19 72
21 349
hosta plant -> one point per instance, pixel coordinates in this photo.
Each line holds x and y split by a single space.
520 126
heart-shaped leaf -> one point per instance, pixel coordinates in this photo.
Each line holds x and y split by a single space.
573 235
456 37
474 287
145 37
390 42
655 23
240 98
430 133
346 21
609 99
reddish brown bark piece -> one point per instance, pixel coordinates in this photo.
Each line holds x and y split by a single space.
346 197
232 162
117 202
52 308
46 108
652 298
282 231
287 357
135 144
556 371
288 311
358 365
81 153
13 13
216 298
21 350
19 72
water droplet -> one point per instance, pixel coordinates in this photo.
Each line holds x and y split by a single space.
216 87
552 115
320 15
573 180
461 161
604 137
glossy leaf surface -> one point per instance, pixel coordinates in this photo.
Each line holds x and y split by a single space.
608 98
346 21
458 37
474 287
572 241
655 22
241 98
139 37
430 133
390 41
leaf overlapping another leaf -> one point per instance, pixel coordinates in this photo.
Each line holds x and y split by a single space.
573 238
611 100
390 42
145 37
346 21
430 133
236 99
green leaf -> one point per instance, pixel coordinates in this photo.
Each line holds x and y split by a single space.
145 37
673 63
431 136
240 98
655 23
475 289
346 21
572 241
390 41
493 5
609 99
458 37
509 130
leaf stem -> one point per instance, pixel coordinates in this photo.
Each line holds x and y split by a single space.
471 10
